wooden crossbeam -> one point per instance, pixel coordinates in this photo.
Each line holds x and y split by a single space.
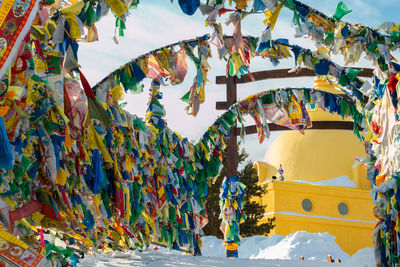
223 105
316 125
281 73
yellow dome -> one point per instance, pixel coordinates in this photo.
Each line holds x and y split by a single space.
318 155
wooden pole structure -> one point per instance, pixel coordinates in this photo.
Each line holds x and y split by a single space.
231 98
231 155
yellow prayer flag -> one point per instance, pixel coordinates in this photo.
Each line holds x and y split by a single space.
117 93
118 7
61 176
271 17
70 13
96 142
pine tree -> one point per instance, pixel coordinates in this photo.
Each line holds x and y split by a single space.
253 210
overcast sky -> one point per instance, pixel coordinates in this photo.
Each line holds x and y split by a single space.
156 23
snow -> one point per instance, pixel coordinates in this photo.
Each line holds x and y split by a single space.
341 181
364 258
309 245
257 251
156 259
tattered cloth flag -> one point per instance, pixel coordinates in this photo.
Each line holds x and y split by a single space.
96 109
189 6
22 13
14 252
341 11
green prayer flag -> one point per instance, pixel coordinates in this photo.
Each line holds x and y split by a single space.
186 97
230 117
395 36
343 80
352 74
120 24
341 11
329 37
97 111
123 105
213 166
290 4
343 107
90 14
267 98
373 48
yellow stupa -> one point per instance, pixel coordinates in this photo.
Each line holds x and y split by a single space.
313 206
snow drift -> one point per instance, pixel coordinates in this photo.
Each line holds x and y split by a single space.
256 251
309 245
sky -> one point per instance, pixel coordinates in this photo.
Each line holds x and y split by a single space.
156 23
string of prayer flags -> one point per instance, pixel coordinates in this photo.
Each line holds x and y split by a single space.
381 142
171 65
284 107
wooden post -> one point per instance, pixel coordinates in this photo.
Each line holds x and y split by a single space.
329 258
231 155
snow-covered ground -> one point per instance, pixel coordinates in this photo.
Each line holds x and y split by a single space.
274 251
310 246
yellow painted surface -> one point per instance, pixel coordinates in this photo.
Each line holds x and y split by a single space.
353 231
320 115
360 177
264 170
317 155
